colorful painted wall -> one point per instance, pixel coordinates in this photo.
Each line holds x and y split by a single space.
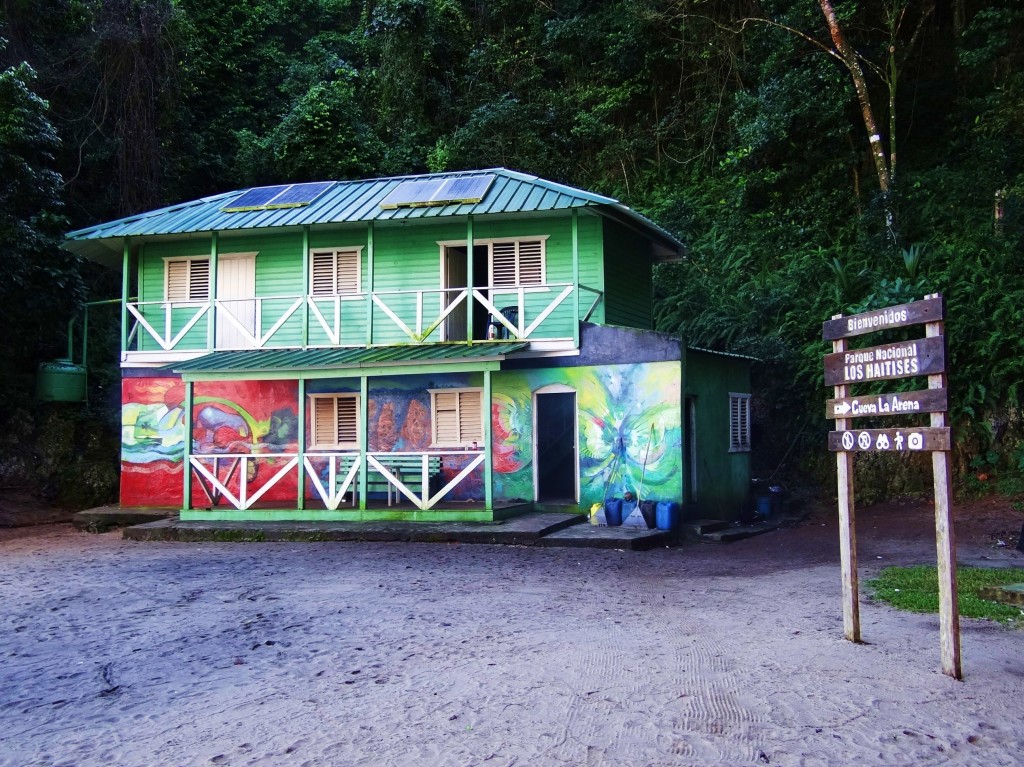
248 417
629 429
398 420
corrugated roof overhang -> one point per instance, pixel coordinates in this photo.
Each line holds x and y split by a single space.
326 363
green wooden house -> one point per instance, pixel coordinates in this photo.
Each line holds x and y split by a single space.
460 346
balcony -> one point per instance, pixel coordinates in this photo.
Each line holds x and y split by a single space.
547 316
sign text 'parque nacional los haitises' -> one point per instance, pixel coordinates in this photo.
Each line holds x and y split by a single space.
904 359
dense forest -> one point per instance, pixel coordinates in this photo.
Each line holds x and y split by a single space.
816 156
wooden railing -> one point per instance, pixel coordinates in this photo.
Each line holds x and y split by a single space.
234 479
522 312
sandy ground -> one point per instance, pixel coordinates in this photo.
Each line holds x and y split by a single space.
121 653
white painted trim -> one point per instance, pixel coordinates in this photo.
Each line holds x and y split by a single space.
484 413
311 409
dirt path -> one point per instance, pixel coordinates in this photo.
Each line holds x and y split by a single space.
119 653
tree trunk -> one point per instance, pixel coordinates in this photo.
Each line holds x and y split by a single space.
849 58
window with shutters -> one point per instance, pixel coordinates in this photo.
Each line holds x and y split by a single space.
334 272
457 417
187 279
517 262
739 422
335 421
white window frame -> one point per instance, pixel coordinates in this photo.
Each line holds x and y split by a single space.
188 298
467 439
336 445
490 242
739 422
518 241
335 253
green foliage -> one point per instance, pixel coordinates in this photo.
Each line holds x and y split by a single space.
916 589
40 285
714 118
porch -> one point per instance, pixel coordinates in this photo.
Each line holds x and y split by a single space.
547 316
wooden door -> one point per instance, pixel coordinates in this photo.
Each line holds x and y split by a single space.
236 291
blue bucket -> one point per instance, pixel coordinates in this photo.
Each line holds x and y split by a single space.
765 505
613 511
667 515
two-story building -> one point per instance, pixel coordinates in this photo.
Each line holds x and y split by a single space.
459 346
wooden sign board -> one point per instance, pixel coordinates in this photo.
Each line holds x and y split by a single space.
905 359
909 440
847 367
915 313
900 403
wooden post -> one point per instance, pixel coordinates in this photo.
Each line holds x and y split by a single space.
488 446
186 501
847 526
301 440
945 539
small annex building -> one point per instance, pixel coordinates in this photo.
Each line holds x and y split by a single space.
454 346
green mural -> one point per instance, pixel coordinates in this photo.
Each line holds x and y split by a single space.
629 428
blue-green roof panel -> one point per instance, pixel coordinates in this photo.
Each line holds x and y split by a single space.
252 360
356 202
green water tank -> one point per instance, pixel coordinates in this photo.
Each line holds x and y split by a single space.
60 381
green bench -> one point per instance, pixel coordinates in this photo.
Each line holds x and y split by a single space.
407 469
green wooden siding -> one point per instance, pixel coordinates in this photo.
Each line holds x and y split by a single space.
722 478
628 275
407 259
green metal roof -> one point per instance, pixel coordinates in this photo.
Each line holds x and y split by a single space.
263 360
360 201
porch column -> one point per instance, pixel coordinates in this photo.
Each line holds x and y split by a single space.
186 499
306 293
469 279
488 447
211 320
364 417
126 258
575 278
301 447
369 285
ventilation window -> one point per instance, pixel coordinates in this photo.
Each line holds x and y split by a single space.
334 272
335 421
457 417
187 279
517 262
739 423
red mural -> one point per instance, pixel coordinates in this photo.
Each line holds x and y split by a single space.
229 419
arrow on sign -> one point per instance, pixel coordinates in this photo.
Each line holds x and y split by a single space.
842 409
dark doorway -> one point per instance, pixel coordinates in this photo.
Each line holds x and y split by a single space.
689 450
556 447
456 271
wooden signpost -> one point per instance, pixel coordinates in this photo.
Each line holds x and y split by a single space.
902 359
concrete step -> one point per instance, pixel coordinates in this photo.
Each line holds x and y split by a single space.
1010 594
104 518
699 527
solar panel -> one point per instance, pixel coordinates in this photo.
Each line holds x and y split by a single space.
467 189
254 199
412 193
298 195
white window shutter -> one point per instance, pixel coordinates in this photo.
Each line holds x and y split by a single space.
470 420
177 281
446 418
503 264
322 274
347 271
531 262
324 429
348 421
199 279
